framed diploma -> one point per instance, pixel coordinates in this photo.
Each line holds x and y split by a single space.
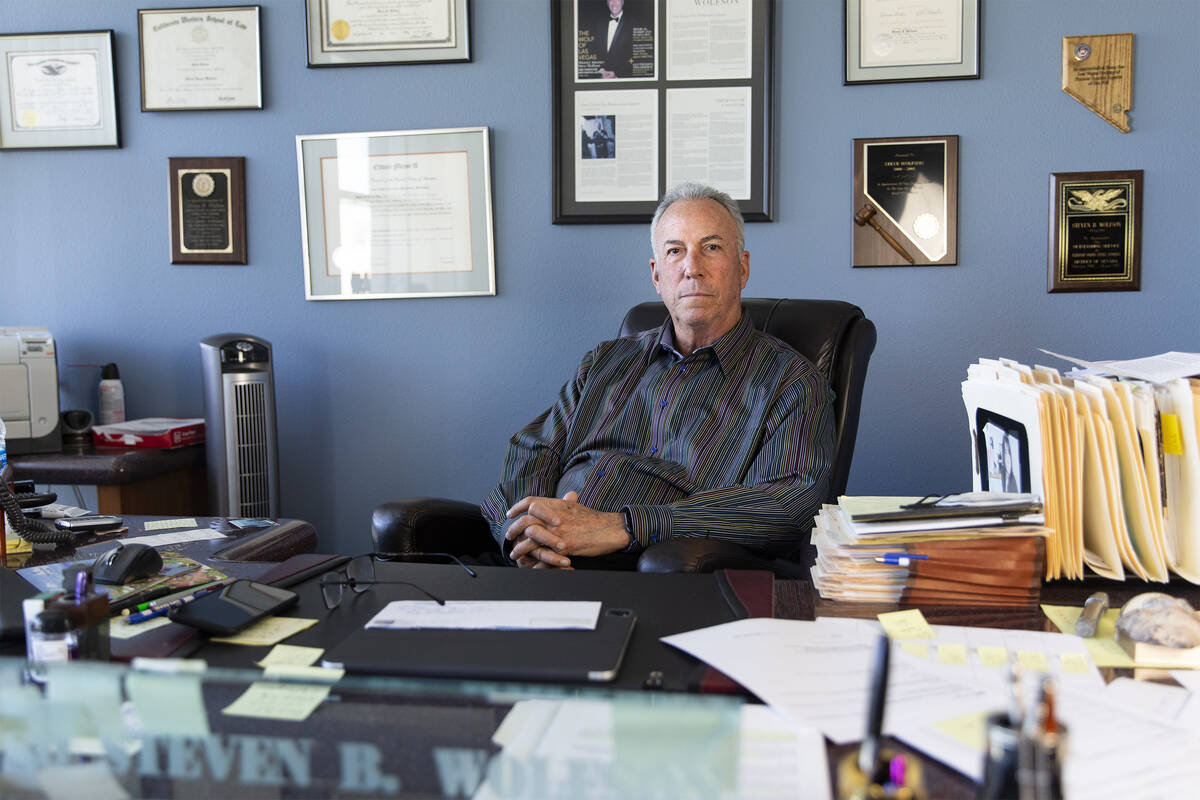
1095 231
911 40
396 214
347 33
208 210
57 90
651 93
905 202
200 59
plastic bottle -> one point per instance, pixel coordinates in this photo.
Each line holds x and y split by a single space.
52 639
112 395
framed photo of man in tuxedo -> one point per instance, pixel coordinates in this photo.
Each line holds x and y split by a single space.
651 93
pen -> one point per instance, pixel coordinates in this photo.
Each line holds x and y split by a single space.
168 598
868 753
900 559
162 610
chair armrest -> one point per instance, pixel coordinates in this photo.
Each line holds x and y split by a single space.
431 525
702 555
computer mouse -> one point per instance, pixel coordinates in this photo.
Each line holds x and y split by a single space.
126 562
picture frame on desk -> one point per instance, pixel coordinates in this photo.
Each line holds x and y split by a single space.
927 40
208 210
346 33
665 93
200 59
58 90
396 214
1095 231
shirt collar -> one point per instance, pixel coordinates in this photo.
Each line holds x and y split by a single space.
725 350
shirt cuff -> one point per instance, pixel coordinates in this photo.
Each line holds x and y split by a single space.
648 524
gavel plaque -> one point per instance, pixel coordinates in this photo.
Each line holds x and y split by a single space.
1095 231
905 201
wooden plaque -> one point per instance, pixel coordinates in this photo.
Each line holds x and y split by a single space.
208 210
905 202
1098 72
1095 231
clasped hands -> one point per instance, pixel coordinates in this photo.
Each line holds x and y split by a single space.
548 531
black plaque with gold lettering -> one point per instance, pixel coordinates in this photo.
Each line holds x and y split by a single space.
1095 231
208 211
905 201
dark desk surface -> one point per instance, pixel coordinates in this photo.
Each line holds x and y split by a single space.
272 543
105 466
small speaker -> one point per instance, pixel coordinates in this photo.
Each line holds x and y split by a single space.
239 422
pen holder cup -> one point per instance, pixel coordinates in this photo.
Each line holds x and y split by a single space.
886 784
1009 772
90 621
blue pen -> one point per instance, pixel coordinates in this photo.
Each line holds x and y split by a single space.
148 614
900 559
159 611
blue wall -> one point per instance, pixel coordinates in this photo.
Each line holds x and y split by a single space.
388 398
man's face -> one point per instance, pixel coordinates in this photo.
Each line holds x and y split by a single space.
698 270
615 6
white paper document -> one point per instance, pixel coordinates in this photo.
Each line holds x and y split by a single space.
179 537
1155 369
574 747
817 673
514 615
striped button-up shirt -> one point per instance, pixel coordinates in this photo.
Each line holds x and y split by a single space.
733 441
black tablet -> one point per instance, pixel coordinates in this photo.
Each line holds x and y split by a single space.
231 608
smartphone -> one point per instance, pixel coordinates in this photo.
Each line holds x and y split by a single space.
91 524
231 608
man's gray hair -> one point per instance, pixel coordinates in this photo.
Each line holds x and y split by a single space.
698 191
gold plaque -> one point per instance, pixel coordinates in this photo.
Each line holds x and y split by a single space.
1098 72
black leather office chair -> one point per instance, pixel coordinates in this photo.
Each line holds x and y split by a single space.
834 335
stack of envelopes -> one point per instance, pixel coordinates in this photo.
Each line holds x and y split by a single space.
885 550
1116 460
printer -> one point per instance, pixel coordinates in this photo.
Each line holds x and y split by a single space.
29 390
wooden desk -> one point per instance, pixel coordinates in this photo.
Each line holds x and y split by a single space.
128 480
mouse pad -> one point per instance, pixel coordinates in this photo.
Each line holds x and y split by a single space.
177 573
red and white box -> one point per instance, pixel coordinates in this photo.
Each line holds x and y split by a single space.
159 432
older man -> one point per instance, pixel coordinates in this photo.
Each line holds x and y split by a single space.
704 427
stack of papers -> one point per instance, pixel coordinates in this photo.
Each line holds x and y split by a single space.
874 550
1116 459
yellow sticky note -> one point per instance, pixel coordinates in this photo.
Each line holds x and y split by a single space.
991 655
907 624
1172 437
952 653
918 649
267 632
970 729
1074 662
287 701
1031 660
290 655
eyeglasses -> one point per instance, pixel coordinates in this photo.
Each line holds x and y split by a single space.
359 575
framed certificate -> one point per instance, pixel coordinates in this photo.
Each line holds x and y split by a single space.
58 90
396 214
651 93
346 33
1095 231
911 40
208 210
194 59
905 201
